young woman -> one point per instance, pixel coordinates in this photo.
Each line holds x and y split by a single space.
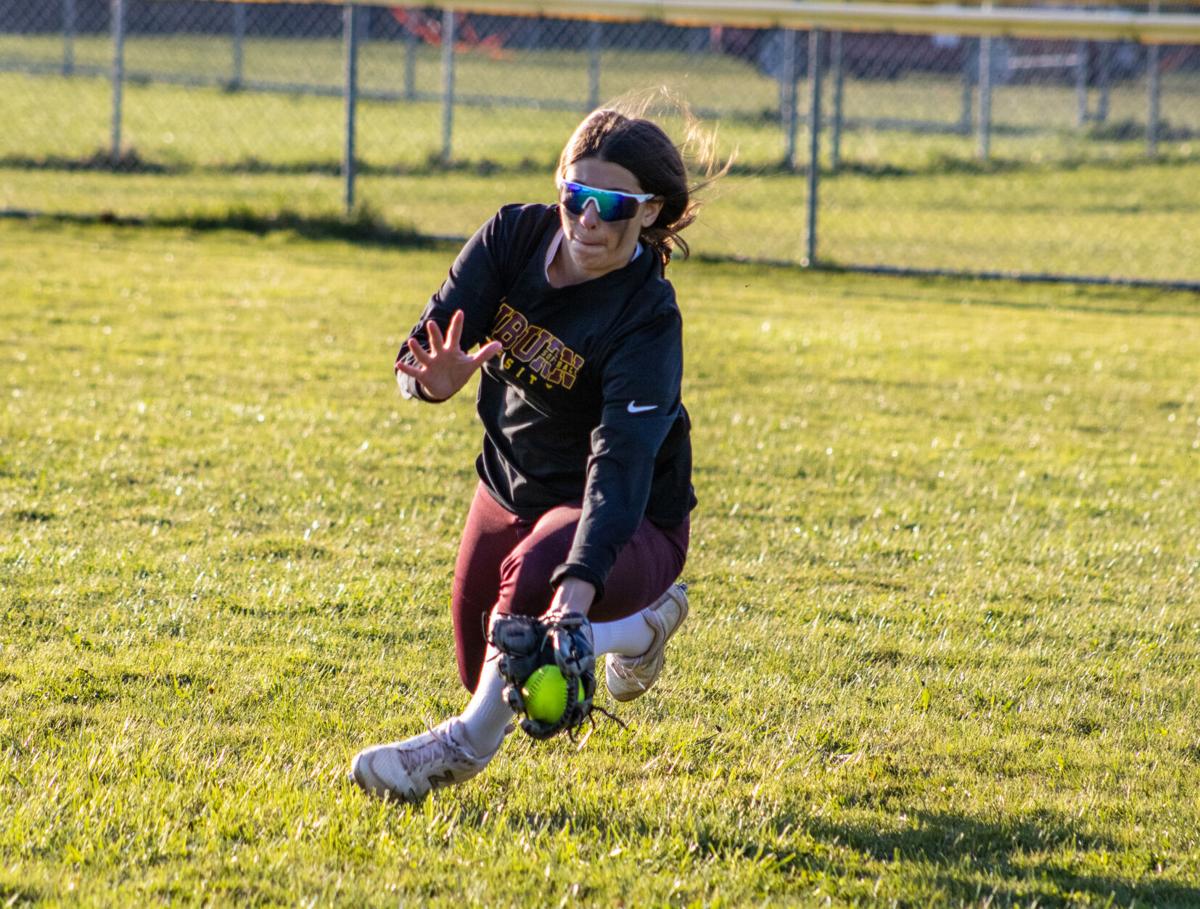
585 475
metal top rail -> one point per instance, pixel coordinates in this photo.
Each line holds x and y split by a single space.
1102 25
910 18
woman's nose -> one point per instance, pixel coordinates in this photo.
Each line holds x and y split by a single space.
591 215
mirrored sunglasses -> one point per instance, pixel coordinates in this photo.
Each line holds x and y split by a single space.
611 205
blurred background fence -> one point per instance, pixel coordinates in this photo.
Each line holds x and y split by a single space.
1065 157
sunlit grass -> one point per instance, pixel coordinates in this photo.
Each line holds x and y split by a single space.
1138 221
945 585
1056 198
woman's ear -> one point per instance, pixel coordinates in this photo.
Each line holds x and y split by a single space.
650 212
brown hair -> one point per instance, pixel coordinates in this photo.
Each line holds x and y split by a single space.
644 149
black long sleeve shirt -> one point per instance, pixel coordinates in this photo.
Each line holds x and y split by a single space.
583 404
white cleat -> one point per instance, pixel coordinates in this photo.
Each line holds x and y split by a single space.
631 677
408 770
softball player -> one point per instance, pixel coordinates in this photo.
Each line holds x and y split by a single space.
585 474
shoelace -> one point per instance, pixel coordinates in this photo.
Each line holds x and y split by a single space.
623 669
425 753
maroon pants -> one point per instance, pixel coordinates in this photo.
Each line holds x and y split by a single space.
505 563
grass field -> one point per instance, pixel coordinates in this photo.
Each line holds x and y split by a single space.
1032 122
1053 199
945 574
1140 221
711 80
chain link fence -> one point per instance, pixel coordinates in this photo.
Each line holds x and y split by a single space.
944 152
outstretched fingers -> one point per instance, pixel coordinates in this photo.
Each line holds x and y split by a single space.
415 371
485 353
418 352
437 341
454 330
443 367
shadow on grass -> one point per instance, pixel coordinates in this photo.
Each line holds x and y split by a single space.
131 161
957 849
1110 296
16 894
363 227
957 858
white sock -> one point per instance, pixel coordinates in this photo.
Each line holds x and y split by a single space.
631 636
487 714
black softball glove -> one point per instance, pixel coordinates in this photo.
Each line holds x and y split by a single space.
527 643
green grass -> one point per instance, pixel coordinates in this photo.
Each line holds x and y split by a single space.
1034 123
1138 221
715 81
1054 199
945 586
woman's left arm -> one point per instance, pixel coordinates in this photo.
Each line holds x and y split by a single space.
641 382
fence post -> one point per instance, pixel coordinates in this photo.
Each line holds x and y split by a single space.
968 90
814 145
593 65
447 85
350 40
239 39
68 64
985 98
1154 94
410 62
791 116
1081 90
1104 80
118 77
836 53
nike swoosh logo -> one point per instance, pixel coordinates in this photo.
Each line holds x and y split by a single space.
640 408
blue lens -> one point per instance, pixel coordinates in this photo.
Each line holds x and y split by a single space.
610 204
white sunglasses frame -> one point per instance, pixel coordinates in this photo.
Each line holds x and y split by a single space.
640 198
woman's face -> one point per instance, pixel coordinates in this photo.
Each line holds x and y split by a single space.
596 247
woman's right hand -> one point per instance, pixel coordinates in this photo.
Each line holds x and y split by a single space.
445 368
